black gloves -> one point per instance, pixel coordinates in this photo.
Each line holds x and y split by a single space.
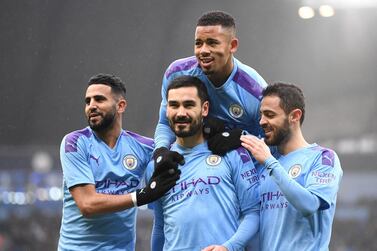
164 158
213 126
161 181
223 142
220 140
165 176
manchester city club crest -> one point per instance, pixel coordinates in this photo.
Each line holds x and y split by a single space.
213 160
295 171
236 110
129 162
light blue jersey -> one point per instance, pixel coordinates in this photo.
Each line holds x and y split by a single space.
287 221
86 159
207 204
236 102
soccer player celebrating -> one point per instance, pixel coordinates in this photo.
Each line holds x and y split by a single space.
233 87
102 168
215 204
298 189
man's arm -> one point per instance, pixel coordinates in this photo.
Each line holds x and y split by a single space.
300 198
247 192
246 230
90 202
163 136
158 237
79 179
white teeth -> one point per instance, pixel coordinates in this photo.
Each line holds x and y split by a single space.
267 131
206 60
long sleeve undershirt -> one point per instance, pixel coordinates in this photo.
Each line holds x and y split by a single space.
302 199
246 230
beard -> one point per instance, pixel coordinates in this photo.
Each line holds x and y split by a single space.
282 135
105 123
208 72
185 131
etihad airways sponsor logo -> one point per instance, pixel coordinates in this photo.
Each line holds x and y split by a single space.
111 186
269 196
193 187
202 181
273 200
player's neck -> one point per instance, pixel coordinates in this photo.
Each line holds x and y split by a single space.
110 136
219 78
295 142
190 142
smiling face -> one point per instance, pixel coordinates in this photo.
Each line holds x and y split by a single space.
274 121
101 107
185 111
214 46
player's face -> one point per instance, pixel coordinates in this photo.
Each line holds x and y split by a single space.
185 111
100 107
274 121
214 46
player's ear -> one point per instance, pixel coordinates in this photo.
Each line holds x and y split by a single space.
295 115
233 44
205 108
122 105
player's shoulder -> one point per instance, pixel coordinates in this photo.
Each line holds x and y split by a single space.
239 155
71 140
138 139
249 79
85 132
180 65
246 69
326 155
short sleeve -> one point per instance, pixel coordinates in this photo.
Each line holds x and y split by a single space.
75 164
324 178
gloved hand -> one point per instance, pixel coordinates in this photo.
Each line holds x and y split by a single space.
158 185
223 142
213 126
164 159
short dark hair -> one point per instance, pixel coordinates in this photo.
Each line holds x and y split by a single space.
291 97
189 81
116 84
217 18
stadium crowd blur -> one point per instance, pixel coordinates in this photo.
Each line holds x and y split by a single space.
30 210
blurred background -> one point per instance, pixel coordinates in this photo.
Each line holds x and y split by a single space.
49 50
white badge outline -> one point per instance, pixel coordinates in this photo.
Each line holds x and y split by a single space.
236 106
212 164
295 171
128 157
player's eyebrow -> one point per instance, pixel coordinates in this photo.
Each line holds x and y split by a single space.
95 97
